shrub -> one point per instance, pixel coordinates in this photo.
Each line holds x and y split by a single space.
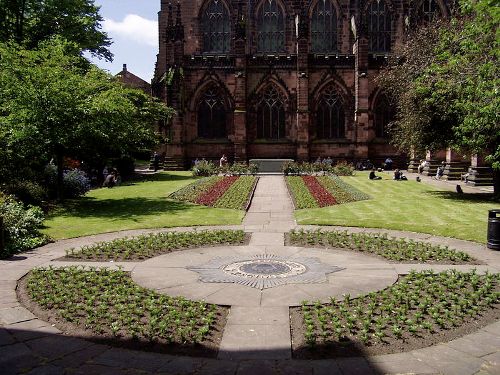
343 168
28 192
21 226
204 168
75 181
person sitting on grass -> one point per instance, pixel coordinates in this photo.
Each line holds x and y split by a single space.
373 176
110 180
399 176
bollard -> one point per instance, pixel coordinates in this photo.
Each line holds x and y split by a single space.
493 230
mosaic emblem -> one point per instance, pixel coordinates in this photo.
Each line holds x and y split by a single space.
264 271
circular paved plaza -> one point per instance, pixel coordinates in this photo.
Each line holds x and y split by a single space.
260 281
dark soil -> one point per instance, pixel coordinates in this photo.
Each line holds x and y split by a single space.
208 348
351 348
141 257
288 242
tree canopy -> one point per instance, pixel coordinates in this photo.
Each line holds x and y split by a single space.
53 104
29 22
445 84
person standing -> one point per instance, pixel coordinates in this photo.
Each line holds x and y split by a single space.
223 161
156 161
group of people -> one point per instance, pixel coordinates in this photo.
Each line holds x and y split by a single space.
327 161
398 175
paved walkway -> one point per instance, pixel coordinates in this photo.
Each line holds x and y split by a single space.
256 338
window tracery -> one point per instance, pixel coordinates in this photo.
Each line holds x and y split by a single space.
379 27
216 28
212 115
271 115
270 27
330 115
324 27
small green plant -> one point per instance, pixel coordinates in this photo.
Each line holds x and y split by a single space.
395 312
108 302
150 245
399 250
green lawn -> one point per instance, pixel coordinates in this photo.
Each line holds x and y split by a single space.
409 206
134 206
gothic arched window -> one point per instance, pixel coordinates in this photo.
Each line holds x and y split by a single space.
383 115
429 11
216 28
271 115
270 27
212 115
330 116
379 27
324 27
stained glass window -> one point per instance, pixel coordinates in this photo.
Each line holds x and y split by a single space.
384 114
216 28
324 27
379 27
212 115
330 116
270 27
271 115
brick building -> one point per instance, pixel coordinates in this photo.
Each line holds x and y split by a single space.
280 78
131 80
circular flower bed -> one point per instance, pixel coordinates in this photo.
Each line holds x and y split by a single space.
150 245
400 250
421 309
107 305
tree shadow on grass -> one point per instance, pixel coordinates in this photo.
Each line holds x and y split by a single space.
125 208
465 197
158 177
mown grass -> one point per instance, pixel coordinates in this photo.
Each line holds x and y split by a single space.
137 205
408 206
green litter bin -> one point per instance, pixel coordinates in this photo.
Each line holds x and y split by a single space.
494 230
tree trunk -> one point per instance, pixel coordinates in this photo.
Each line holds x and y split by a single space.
60 174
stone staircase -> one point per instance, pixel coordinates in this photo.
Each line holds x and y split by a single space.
453 171
480 176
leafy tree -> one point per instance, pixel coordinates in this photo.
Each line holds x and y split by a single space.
29 22
446 82
54 104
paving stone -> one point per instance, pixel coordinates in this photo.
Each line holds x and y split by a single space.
326 367
47 370
477 344
399 363
218 367
258 315
447 360
5 337
493 358
90 369
295 368
267 239
122 358
17 358
355 366
31 329
260 367
80 357
54 347
255 342
182 366
15 315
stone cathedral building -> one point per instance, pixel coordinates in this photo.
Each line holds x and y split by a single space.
280 78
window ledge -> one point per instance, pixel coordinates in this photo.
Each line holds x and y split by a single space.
211 140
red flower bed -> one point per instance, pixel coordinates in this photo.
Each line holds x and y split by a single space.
213 194
322 196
